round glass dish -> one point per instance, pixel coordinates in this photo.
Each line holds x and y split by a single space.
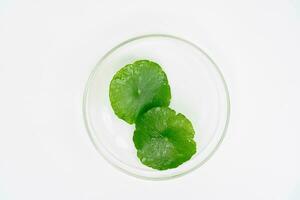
198 91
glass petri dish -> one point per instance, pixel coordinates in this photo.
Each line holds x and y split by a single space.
198 89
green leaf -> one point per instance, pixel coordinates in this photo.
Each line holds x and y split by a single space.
138 87
164 139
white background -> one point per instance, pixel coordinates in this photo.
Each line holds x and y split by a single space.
48 49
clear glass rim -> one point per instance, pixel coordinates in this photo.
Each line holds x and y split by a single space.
87 123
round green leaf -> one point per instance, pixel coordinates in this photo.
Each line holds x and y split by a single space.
138 87
164 139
